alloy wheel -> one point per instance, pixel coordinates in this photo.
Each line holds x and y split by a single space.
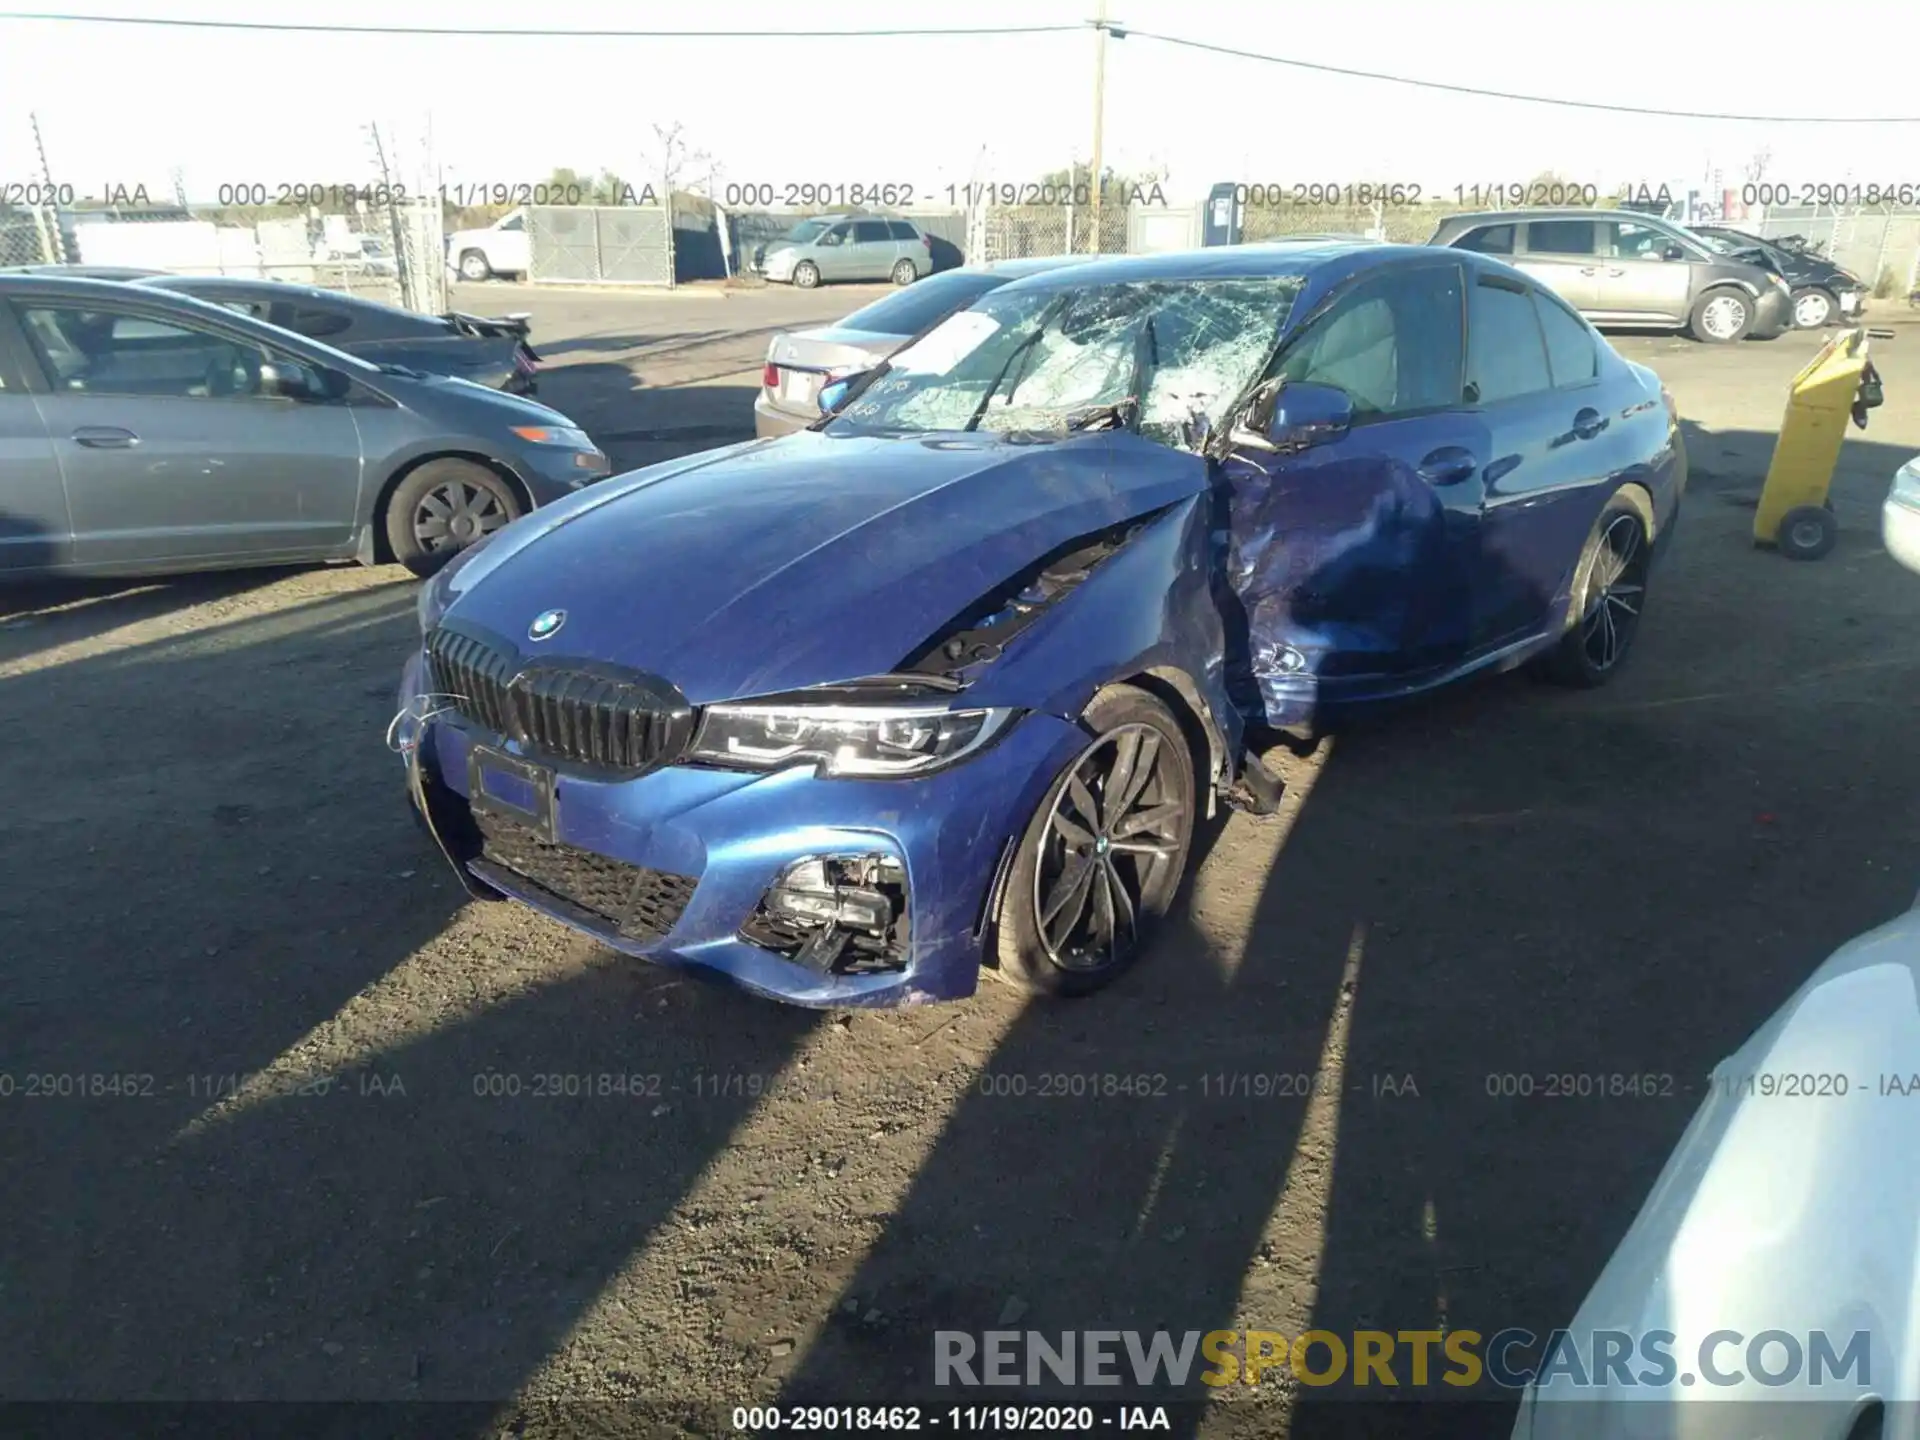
1615 590
1116 827
1723 317
1810 311
454 515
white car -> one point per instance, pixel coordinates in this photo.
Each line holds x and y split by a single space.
1900 516
1786 1221
502 249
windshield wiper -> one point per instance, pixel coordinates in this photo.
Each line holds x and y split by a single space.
1115 414
1041 323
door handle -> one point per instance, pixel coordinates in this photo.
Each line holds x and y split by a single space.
1612 271
1589 270
1448 465
1588 423
105 437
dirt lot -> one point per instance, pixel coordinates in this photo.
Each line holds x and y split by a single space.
311 1186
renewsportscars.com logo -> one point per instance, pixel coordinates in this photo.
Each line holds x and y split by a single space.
1413 1359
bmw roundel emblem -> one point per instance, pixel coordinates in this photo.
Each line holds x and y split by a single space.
546 624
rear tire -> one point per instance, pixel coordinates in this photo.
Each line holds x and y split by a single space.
444 506
806 275
474 266
904 273
1721 317
1094 876
1609 592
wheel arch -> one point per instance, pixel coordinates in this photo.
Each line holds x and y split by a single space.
374 549
1174 688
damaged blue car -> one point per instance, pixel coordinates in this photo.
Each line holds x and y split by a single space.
946 682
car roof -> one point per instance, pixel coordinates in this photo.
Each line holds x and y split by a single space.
1572 212
1031 265
1274 259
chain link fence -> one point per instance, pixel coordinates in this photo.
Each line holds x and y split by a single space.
600 244
1881 246
24 238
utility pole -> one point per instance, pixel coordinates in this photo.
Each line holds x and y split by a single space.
1099 117
56 242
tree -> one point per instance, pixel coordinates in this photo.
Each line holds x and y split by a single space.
673 163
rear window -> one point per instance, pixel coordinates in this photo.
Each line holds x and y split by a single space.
1488 240
909 311
900 230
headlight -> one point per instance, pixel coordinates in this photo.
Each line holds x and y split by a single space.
1906 485
844 739
437 592
569 437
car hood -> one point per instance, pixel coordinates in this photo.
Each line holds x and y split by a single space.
1791 1202
452 394
810 560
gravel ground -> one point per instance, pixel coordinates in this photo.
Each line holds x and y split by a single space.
286 1119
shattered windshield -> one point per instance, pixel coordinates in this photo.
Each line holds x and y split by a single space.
1154 354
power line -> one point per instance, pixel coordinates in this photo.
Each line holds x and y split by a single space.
273 27
1510 95
1119 31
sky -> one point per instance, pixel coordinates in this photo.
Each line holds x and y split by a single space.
128 105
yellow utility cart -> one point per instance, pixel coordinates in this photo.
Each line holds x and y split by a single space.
1840 382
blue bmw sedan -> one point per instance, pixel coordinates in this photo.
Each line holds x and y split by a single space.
944 683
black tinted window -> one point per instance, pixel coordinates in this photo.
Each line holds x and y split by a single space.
1488 240
900 230
909 311
1392 343
318 323
1560 237
871 232
1573 354
1505 354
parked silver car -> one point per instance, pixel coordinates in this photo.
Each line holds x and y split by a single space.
1624 269
799 364
848 247
147 433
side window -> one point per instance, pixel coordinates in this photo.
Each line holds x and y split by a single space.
517 223
1392 343
106 353
871 232
1488 240
1629 241
1573 355
1505 355
900 230
317 323
836 236
1560 237
252 309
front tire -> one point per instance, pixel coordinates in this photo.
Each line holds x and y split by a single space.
1814 309
474 266
1609 592
1103 856
1721 317
806 275
443 507
904 273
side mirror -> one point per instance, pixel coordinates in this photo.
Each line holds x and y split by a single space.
1674 252
835 394
1301 414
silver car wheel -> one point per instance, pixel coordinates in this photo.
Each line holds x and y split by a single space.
1811 310
454 515
1723 317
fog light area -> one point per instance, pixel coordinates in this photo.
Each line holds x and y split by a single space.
838 914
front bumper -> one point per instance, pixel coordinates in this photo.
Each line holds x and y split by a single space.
1852 302
732 834
1772 315
1900 532
553 473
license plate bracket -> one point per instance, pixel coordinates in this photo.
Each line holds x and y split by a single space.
511 788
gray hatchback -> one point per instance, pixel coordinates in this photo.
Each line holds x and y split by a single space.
143 432
848 247
1623 269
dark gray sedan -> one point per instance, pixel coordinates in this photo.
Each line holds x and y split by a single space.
493 352
143 432
799 364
